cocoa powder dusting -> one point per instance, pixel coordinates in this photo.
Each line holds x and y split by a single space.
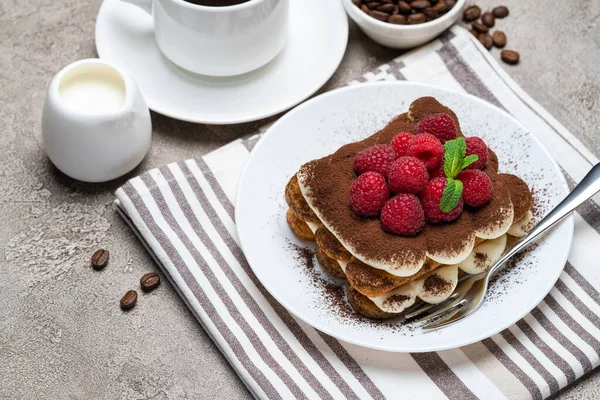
494 212
503 282
332 296
450 238
481 260
395 299
491 169
435 284
520 195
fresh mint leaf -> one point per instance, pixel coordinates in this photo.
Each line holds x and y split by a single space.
451 196
454 153
468 160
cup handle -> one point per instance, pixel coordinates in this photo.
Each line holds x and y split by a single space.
145 5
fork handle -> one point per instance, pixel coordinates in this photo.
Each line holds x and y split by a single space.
588 187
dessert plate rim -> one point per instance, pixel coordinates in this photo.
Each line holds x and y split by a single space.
245 230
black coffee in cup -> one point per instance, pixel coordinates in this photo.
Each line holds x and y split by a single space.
217 3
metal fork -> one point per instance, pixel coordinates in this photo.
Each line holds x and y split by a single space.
470 292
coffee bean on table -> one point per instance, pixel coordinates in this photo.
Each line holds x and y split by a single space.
100 259
404 7
128 300
357 3
486 40
418 18
499 39
420 4
471 13
149 281
479 27
474 33
488 19
500 12
397 19
510 57
379 15
386 8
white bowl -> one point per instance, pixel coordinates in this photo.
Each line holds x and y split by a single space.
95 135
402 36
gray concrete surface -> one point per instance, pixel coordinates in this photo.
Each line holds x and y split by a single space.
62 334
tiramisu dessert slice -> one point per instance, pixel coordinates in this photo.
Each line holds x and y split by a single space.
405 212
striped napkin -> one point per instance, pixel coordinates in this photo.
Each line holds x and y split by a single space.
184 213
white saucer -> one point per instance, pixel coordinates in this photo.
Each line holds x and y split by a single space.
317 42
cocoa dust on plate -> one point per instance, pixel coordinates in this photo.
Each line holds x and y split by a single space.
332 295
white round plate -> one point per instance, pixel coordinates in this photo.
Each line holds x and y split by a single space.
318 32
322 125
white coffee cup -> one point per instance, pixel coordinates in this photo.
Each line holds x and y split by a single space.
219 41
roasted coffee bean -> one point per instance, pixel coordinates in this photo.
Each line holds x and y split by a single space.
417 18
386 8
510 57
440 6
404 7
128 300
149 281
379 15
405 11
430 13
479 27
472 13
420 4
397 19
488 19
486 40
500 12
499 39
474 33
100 259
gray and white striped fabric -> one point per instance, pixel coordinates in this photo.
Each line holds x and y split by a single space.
184 213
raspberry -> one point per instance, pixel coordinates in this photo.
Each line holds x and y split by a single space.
403 215
378 158
426 148
477 187
368 194
441 126
477 146
438 172
400 143
431 196
407 175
